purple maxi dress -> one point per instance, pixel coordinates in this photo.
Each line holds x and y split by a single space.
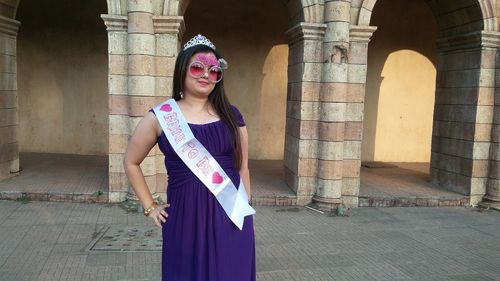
200 243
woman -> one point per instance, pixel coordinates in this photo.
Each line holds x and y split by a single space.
200 242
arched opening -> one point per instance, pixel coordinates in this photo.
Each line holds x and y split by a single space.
256 48
62 99
416 86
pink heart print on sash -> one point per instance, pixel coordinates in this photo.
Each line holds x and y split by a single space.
166 108
216 178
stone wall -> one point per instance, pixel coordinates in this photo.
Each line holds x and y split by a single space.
62 85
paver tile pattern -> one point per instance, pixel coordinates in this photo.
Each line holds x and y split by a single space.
54 241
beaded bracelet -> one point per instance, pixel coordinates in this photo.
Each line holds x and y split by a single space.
150 209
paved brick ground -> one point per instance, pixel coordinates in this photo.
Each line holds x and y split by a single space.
51 241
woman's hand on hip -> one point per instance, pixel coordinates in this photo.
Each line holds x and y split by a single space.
159 215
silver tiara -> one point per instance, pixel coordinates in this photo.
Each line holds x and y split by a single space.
198 40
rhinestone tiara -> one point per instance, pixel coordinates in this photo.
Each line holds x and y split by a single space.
198 40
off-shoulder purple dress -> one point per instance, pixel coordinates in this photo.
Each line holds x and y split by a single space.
200 243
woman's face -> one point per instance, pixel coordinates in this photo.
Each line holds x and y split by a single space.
200 78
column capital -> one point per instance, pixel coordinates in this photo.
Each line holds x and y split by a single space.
476 39
169 25
306 31
115 22
361 33
9 26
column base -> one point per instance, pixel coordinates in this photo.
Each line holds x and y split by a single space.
326 204
490 202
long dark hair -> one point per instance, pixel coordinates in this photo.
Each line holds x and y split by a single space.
217 97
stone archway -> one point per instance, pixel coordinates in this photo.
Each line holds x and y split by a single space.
161 26
462 147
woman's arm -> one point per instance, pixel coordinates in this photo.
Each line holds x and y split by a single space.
244 172
142 141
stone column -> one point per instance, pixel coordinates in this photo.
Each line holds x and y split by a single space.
334 81
301 133
493 185
118 104
9 148
168 33
359 38
141 43
463 114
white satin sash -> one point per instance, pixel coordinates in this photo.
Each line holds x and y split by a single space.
233 200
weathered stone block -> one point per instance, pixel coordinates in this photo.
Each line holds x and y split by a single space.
116 163
292 144
140 22
308 148
117 84
160 162
304 91
118 64
332 112
141 85
481 150
357 73
7 45
8 82
353 131
483 132
480 168
336 73
8 117
139 106
478 186
118 143
139 6
312 71
330 170
329 131
337 31
8 134
337 11
350 186
141 44
484 114
333 92
356 93
8 99
486 96
117 43
167 45
487 77
118 104
303 110
358 53
352 150
141 65
164 87
164 66
119 125
9 152
8 64
354 112
329 188
330 150
351 168
307 167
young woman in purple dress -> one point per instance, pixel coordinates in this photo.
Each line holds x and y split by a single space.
200 242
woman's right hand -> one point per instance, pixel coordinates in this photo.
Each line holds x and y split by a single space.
159 215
